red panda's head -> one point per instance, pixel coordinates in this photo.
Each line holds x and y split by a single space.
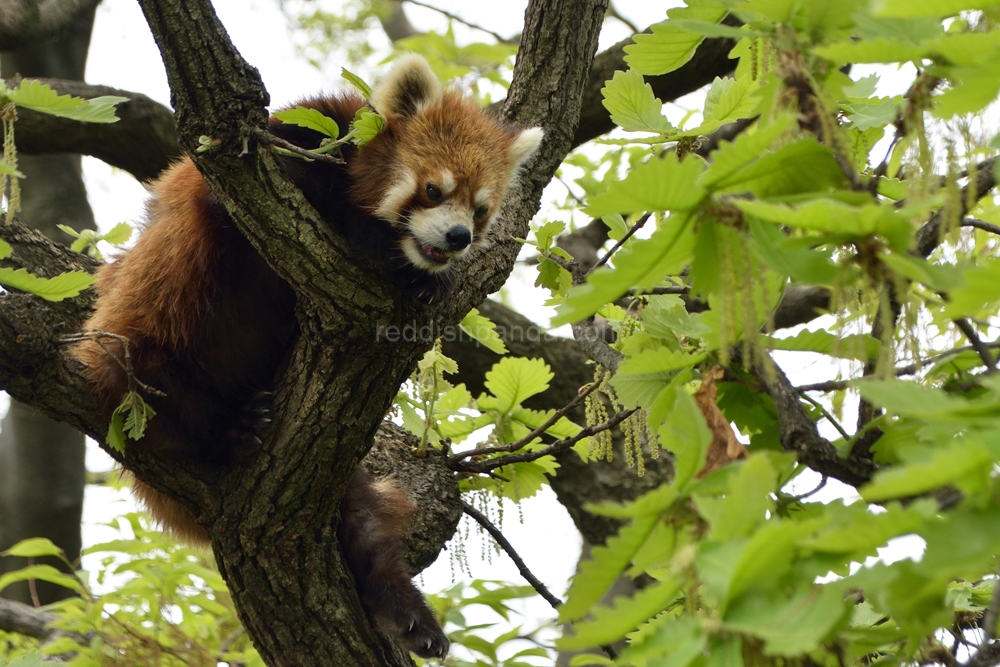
439 170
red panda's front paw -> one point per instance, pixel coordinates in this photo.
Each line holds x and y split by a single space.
255 418
425 638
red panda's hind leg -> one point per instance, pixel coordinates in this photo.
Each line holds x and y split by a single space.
373 519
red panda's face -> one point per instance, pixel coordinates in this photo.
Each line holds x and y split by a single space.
440 169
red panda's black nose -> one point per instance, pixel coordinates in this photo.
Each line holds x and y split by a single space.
458 237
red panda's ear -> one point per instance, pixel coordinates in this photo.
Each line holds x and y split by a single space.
524 146
409 87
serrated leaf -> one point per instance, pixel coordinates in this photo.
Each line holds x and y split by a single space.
682 430
668 46
34 547
632 105
118 234
366 126
357 82
673 643
661 184
596 575
790 626
641 378
642 263
878 50
612 623
727 100
833 217
483 330
515 379
801 166
958 462
64 286
731 157
41 573
312 119
34 94
860 347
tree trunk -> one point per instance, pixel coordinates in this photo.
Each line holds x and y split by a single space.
41 460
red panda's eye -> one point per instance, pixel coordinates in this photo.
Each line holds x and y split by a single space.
433 193
481 212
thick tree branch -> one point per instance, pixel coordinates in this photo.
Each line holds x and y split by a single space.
25 21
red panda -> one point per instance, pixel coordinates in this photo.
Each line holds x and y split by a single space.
209 322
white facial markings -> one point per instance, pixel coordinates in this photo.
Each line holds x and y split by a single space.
482 197
446 182
396 197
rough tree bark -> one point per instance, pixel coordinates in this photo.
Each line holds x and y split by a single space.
41 460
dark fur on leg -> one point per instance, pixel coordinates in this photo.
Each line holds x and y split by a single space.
374 517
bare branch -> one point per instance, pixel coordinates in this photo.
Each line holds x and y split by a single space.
508 548
977 344
458 19
981 224
629 234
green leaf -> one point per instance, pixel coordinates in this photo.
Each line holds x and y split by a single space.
661 184
793 257
833 217
483 330
710 29
34 547
860 347
641 378
681 428
741 511
41 573
731 157
879 50
802 166
940 8
674 643
961 462
366 126
727 100
5 249
874 113
64 286
515 379
632 105
118 234
357 82
642 263
610 624
790 626
312 119
34 94
670 46
972 89
597 574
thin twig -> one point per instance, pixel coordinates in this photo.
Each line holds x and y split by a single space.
636 227
822 483
909 369
514 446
459 19
826 414
555 447
268 139
488 526
96 335
508 548
981 224
657 291
977 344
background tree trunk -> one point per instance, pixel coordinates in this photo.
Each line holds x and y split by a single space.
42 471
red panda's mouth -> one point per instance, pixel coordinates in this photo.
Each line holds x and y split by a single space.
432 254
